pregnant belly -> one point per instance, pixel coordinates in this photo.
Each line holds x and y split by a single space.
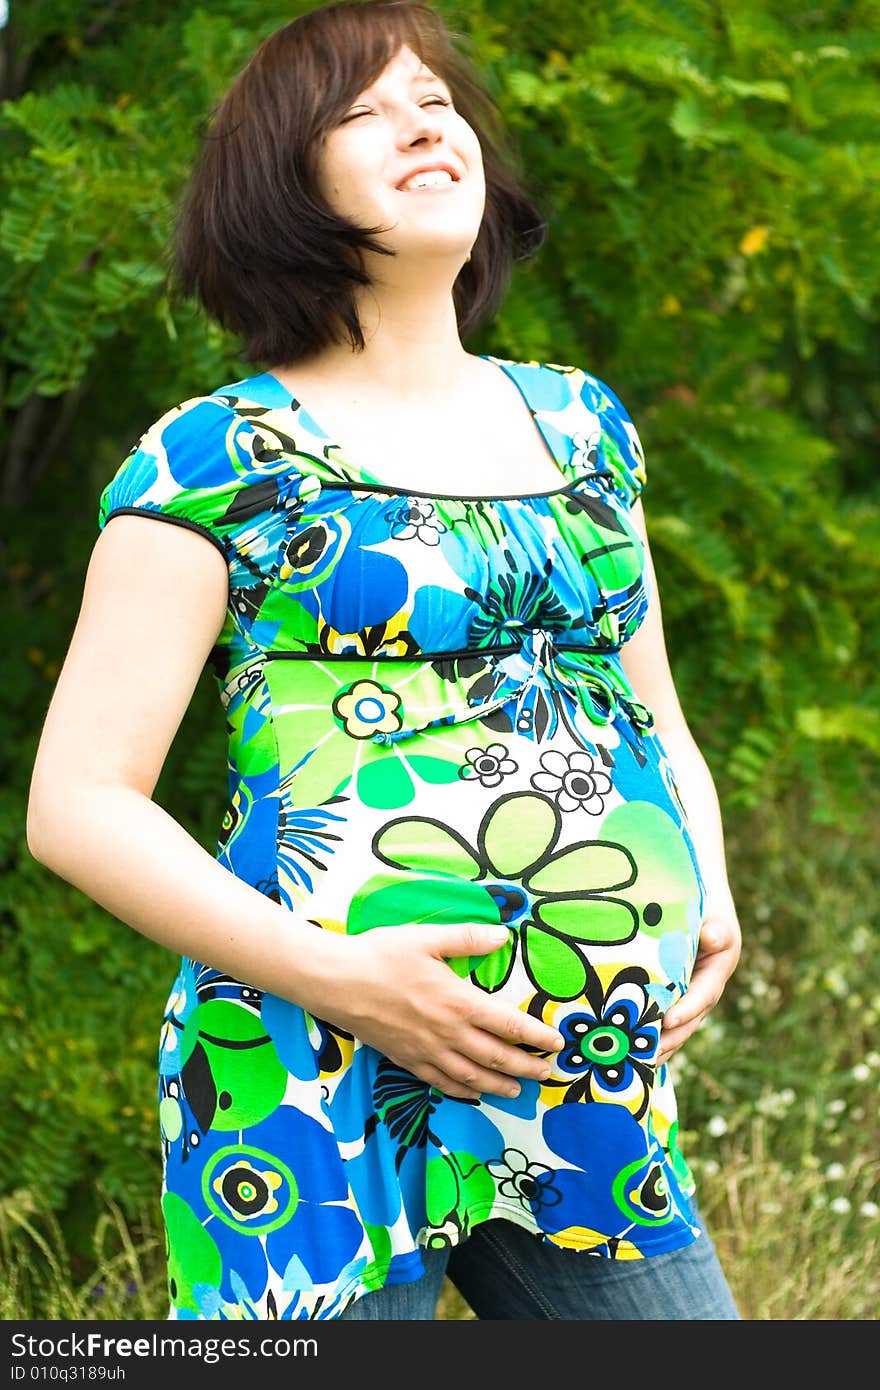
581 852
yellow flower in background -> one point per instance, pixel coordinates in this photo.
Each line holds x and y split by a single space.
754 240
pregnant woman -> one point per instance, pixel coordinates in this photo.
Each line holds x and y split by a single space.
469 893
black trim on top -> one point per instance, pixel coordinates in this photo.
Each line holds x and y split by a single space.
462 654
175 520
450 496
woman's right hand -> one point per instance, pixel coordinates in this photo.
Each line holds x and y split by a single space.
393 988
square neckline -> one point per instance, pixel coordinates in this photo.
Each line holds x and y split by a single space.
370 484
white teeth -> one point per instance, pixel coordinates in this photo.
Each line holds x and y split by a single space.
431 179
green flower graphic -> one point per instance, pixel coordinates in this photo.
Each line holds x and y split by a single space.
552 902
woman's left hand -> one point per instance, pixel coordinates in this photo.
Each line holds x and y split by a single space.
717 958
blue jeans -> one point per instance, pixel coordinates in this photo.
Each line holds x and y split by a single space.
504 1271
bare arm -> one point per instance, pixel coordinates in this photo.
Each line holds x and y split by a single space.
154 602
646 663
130 671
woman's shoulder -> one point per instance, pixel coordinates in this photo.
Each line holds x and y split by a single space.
605 419
207 416
196 442
574 378
191 460
580 380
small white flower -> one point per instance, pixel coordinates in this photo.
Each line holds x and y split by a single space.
717 1126
860 939
575 781
836 983
869 1209
759 988
837 1106
711 1167
835 1171
840 1205
860 1072
416 519
873 1059
488 765
775 1103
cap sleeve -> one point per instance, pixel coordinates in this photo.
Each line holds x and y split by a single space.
185 469
620 448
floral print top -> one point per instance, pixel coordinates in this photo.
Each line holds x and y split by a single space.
428 721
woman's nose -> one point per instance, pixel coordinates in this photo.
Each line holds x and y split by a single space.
422 125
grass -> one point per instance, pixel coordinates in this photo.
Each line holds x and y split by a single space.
798 1244
125 1279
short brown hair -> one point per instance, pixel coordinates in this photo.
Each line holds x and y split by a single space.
256 244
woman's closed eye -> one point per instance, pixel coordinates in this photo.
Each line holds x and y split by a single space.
434 101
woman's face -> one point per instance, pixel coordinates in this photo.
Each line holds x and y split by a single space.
402 122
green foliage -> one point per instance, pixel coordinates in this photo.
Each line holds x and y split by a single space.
710 176
78 1008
